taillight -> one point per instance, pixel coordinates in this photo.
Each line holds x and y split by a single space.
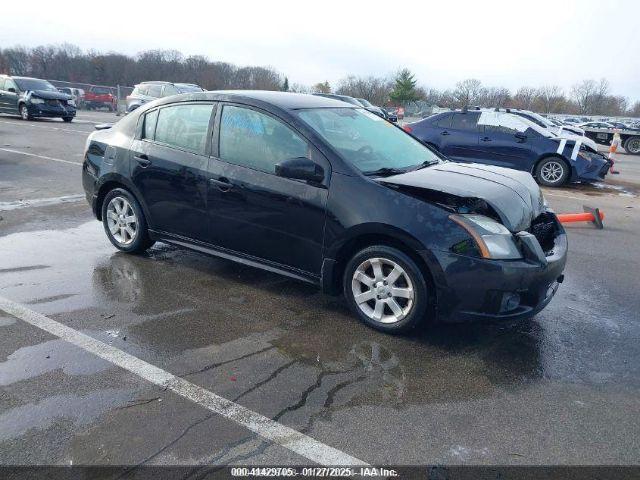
407 129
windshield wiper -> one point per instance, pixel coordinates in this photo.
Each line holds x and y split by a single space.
385 171
427 163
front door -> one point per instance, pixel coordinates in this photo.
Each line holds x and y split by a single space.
505 146
254 212
8 96
169 167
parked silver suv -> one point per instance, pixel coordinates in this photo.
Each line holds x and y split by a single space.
148 91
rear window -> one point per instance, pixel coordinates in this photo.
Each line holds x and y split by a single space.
101 90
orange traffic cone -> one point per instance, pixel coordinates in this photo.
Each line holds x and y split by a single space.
593 215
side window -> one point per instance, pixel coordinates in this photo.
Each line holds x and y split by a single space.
169 90
184 126
8 83
1 83
149 128
444 121
256 140
499 129
154 91
465 121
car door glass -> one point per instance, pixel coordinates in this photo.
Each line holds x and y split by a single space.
155 90
184 126
465 121
150 120
256 140
443 122
8 83
169 90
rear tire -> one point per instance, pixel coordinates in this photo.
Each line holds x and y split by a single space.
124 222
67 119
552 172
385 289
632 145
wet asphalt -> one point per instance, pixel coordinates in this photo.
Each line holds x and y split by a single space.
562 388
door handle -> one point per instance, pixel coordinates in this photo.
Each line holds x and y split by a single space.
485 139
143 160
223 184
445 133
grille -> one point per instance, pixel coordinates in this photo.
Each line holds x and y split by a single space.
54 102
544 228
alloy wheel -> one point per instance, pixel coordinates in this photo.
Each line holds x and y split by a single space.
122 221
633 146
552 171
382 290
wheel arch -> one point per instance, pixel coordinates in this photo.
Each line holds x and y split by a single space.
113 181
365 236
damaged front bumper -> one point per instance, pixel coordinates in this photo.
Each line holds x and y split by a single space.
470 288
591 168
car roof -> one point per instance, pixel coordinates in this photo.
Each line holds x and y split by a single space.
283 100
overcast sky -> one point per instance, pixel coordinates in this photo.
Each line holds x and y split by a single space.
502 43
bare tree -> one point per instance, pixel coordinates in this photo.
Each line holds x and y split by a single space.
467 92
374 89
322 87
549 97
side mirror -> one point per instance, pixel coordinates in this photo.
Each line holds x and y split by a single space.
103 126
300 168
520 136
11 89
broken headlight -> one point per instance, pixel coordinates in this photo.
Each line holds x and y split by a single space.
492 239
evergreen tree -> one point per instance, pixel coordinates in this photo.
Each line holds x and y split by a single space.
404 90
285 85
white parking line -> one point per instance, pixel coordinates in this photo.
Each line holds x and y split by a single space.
70 130
265 427
39 202
44 157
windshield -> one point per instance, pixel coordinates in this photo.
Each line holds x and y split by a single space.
367 141
364 102
541 119
25 84
186 88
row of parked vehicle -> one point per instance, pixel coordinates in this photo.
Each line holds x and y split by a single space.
148 91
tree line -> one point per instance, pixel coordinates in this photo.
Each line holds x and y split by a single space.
69 63
588 97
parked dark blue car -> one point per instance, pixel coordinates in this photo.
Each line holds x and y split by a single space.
504 139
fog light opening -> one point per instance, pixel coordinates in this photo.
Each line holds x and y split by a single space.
510 301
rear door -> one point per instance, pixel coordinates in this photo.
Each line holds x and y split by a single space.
169 167
461 138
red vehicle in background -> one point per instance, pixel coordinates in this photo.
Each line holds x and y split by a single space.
100 97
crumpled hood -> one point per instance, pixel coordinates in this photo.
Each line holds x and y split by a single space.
48 95
577 138
513 194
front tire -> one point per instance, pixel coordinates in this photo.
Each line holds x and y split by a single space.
124 222
24 112
386 289
67 119
552 172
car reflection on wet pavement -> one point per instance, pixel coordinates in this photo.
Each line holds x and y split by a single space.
454 393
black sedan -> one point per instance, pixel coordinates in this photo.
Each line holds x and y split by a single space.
32 97
331 194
